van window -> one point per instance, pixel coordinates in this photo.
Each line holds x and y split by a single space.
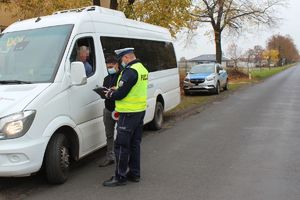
84 51
155 55
33 55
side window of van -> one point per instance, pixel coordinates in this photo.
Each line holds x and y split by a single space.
110 44
84 51
155 55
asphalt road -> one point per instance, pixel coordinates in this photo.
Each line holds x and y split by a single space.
245 147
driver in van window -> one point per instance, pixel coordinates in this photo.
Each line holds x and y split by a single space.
83 54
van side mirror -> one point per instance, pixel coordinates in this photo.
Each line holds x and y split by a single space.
78 75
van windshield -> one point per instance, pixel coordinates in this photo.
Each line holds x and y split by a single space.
32 56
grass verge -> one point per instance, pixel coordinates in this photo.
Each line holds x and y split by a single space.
260 74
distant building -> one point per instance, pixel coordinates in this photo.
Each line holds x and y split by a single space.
208 58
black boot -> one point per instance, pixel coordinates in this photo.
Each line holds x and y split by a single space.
132 178
113 181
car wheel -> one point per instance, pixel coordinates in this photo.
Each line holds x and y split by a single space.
226 85
158 119
217 89
57 159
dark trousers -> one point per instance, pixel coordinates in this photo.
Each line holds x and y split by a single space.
127 144
109 124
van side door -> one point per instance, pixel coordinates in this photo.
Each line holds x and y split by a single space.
86 106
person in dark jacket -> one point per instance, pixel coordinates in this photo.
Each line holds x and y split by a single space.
109 120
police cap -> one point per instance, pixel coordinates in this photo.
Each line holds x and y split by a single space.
121 52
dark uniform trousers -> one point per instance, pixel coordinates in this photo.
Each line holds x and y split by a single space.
127 144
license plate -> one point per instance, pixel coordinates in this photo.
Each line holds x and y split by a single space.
197 86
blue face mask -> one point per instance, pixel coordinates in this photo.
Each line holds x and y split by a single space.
123 64
111 70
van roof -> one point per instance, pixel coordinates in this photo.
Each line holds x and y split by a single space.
79 16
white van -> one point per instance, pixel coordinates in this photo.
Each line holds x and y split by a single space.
49 113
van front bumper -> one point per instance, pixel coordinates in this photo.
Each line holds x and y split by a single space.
21 158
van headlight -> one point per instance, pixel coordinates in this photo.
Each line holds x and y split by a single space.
210 78
16 125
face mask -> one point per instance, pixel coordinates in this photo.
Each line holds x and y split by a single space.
111 70
123 64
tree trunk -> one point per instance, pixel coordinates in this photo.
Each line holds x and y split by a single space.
218 46
130 2
114 4
96 2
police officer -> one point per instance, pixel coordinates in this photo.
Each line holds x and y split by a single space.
130 97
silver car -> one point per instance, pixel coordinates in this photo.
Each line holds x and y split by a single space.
206 77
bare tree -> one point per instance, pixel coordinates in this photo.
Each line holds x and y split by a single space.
234 15
96 2
234 52
250 57
258 51
114 4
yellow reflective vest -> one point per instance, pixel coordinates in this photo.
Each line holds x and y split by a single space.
136 99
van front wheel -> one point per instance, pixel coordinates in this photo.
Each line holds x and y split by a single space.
158 119
57 159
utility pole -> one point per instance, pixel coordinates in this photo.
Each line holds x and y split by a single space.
96 3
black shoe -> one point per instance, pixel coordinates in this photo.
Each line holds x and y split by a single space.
106 163
132 178
113 182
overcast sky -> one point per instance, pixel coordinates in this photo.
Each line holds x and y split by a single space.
202 44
